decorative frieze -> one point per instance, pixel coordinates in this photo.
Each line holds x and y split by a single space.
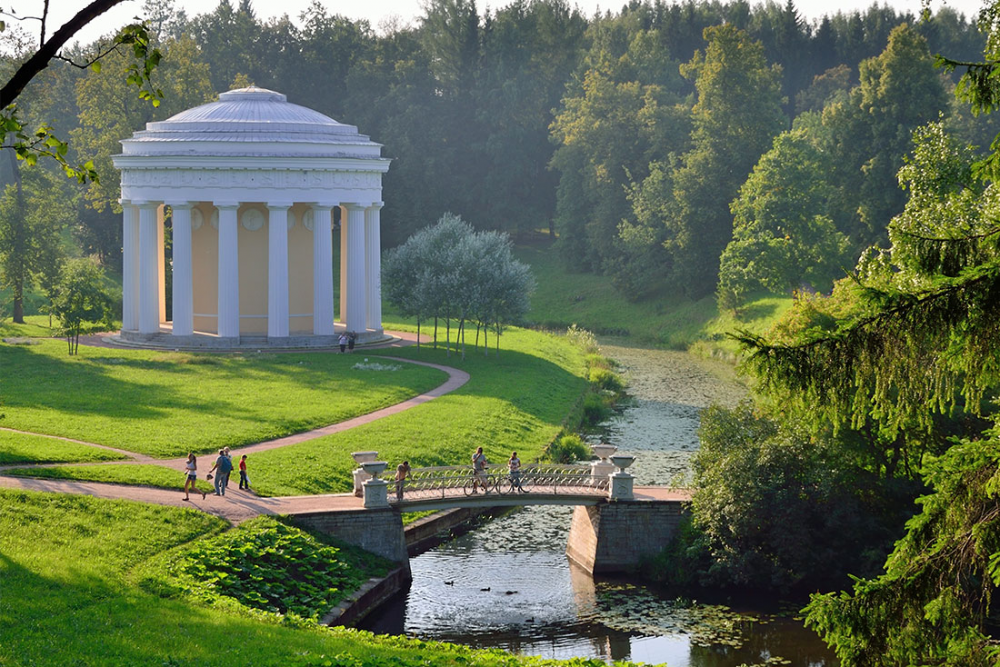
251 178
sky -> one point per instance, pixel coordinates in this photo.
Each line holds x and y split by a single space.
407 11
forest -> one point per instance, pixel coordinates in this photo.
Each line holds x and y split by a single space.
626 135
706 149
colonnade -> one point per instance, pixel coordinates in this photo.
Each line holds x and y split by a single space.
143 288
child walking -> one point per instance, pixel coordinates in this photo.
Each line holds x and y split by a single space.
244 480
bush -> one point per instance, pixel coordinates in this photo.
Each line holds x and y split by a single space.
567 449
596 408
606 380
273 567
782 510
585 339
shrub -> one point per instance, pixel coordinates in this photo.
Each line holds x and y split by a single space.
606 380
567 449
596 408
585 339
267 565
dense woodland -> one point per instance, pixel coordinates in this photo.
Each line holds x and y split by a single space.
627 134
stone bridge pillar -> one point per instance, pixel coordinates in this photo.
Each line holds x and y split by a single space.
378 531
616 536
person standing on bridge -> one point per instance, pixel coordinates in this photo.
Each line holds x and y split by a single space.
479 463
402 470
514 468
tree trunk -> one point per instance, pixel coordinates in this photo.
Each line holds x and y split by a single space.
18 309
498 339
418 333
447 335
461 336
435 331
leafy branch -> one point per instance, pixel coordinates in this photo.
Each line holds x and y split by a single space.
43 142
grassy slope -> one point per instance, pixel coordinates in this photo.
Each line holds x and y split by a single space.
24 448
69 598
166 404
591 301
515 402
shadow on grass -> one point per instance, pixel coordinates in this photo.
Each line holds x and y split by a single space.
756 311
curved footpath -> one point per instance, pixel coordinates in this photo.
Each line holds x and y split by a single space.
237 505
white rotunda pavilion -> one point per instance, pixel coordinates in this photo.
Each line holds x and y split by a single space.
251 183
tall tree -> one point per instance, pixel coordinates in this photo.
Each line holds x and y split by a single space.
737 115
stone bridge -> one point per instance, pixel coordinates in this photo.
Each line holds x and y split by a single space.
615 525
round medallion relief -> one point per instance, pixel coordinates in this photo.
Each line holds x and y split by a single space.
252 219
215 219
197 218
307 219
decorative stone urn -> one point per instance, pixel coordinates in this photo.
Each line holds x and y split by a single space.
621 487
600 470
375 490
360 476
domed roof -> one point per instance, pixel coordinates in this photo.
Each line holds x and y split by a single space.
251 121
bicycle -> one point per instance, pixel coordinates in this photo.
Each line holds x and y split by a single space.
509 485
480 479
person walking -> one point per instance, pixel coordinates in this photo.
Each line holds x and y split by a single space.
514 469
222 467
225 482
479 464
342 341
191 480
351 338
244 480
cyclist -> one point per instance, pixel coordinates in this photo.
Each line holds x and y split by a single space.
514 468
479 463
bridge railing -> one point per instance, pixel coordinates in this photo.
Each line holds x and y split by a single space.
538 478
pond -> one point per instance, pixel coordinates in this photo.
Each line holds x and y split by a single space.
508 584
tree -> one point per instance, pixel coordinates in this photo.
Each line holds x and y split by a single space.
81 297
737 115
921 341
783 238
43 142
450 271
31 217
870 133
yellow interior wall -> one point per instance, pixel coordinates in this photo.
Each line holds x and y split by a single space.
253 273
300 274
205 272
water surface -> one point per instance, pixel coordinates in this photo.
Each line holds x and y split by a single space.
509 584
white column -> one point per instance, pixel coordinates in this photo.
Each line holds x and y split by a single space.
277 270
322 271
229 272
355 295
373 268
130 267
149 301
183 287
161 267
343 264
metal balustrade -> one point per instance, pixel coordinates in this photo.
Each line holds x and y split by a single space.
539 479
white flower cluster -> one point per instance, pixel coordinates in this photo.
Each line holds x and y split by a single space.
375 366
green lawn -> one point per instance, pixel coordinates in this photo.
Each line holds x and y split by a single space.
135 474
669 320
35 326
167 403
515 402
75 592
24 448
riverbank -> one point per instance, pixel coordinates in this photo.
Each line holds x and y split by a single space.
667 320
